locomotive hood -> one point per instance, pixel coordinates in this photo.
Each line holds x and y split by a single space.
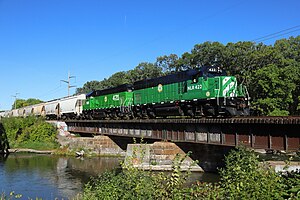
228 86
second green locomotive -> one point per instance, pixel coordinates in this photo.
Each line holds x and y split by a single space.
198 92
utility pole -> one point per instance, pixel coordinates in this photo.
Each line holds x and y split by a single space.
68 82
15 96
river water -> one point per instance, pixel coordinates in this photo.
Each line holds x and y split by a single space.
51 177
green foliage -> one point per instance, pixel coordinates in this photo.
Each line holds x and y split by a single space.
30 132
11 195
171 186
4 145
133 183
168 64
203 190
291 184
19 103
246 178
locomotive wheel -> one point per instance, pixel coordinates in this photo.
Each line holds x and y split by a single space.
190 113
244 112
209 110
151 114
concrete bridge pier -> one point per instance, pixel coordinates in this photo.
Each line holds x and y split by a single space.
161 156
210 157
100 145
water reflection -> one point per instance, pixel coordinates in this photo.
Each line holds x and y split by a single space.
49 177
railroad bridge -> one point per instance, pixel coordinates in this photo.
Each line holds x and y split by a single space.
277 133
209 139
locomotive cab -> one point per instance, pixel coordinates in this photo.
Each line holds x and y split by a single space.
210 92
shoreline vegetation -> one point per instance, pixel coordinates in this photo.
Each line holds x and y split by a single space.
30 133
243 177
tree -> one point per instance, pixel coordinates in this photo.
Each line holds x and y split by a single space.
89 86
208 54
118 78
143 71
168 64
290 51
19 103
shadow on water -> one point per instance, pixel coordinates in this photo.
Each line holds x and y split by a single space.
3 158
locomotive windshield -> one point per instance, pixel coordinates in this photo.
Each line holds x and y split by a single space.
208 72
212 71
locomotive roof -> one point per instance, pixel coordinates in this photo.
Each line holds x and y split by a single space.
120 88
179 77
168 79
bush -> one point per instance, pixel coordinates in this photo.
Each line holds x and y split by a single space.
133 183
243 177
291 184
30 132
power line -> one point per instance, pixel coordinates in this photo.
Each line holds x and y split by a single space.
53 91
279 35
276 34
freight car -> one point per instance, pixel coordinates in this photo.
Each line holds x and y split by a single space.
71 107
198 92
64 108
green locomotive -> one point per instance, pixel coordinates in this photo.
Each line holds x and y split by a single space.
198 92
112 103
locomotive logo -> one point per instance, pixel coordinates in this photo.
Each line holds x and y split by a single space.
105 98
159 88
116 97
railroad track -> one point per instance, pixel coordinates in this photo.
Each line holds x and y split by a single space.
234 120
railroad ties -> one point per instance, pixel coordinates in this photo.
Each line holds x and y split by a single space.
277 133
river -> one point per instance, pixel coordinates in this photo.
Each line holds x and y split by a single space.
50 176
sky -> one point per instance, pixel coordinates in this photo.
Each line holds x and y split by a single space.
41 41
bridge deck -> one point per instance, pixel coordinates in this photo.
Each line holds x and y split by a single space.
279 133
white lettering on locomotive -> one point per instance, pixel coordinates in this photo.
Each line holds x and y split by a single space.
194 87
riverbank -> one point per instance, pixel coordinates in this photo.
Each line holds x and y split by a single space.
23 150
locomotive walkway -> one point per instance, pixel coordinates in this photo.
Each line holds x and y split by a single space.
277 133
